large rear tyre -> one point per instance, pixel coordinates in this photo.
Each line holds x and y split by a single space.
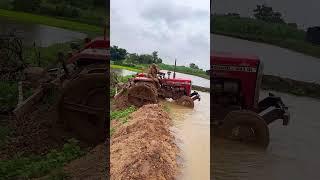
246 126
87 91
142 93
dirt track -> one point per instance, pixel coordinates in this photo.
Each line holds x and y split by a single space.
144 147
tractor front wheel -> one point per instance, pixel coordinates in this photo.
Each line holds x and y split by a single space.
247 127
185 101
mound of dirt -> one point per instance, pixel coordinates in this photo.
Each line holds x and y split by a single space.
36 134
144 147
120 102
93 166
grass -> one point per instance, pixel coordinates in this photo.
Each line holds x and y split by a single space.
180 69
48 54
185 70
8 95
113 66
51 21
122 114
282 35
4 134
38 166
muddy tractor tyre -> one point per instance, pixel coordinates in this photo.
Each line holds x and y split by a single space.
246 126
185 101
83 107
142 93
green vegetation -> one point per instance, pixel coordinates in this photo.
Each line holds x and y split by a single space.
114 66
121 59
122 114
85 11
48 54
8 95
294 87
285 35
50 21
185 70
38 166
4 134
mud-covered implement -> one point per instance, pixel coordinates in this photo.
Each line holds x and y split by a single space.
237 112
147 88
82 85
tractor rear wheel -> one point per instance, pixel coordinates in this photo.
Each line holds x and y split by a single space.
142 93
83 107
185 101
246 126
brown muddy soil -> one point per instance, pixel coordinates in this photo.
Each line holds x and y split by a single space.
93 166
36 134
144 148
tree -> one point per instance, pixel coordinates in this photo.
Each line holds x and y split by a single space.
266 13
193 66
26 5
117 54
155 56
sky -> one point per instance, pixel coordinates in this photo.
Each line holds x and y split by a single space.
176 29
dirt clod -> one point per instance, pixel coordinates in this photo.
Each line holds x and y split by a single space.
144 147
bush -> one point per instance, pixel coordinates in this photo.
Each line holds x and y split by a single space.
8 95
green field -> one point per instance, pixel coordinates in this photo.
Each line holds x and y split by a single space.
50 21
180 69
114 66
282 35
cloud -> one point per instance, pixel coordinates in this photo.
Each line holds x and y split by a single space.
176 29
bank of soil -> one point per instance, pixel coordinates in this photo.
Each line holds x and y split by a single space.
94 165
38 133
143 147
286 85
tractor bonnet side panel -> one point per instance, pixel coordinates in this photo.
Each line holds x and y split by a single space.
243 68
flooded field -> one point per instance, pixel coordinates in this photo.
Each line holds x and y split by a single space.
292 153
192 130
43 35
277 61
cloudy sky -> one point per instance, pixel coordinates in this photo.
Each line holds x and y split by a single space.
176 29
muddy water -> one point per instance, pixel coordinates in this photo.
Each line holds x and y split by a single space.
192 130
43 35
293 152
199 81
123 72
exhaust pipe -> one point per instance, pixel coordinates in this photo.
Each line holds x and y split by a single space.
174 69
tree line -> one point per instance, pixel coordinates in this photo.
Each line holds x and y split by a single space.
121 56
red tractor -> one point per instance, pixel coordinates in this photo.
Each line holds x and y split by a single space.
237 112
82 85
146 88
